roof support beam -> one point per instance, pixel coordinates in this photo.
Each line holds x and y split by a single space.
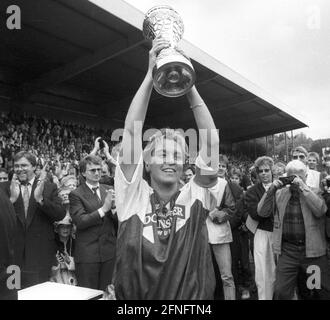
248 117
284 126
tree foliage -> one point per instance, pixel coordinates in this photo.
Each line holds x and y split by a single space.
260 147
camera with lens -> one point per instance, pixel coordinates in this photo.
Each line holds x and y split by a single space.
287 180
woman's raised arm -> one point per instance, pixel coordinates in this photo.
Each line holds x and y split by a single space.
209 137
132 137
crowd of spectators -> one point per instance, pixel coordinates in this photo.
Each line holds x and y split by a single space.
250 266
47 139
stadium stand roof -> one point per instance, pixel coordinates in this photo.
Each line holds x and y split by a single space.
84 60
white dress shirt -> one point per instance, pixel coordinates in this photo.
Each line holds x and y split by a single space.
267 186
30 184
100 211
313 179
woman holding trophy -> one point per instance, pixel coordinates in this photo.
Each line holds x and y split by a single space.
163 249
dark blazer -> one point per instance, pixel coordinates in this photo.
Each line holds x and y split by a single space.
252 198
95 236
34 239
7 237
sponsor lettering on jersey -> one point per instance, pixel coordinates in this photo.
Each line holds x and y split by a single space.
164 220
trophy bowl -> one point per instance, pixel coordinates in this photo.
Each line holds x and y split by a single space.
173 74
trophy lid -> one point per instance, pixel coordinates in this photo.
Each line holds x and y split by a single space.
153 24
159 8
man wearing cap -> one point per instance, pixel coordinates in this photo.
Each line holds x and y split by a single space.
92 211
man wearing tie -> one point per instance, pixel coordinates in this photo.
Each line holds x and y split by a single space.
92 211
37 207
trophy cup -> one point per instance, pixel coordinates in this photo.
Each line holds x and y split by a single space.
173 74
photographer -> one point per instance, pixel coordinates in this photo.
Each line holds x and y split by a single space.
299 237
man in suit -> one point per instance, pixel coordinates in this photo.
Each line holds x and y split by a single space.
37 207
92 211
7 235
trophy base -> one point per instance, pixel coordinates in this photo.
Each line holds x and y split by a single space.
174 78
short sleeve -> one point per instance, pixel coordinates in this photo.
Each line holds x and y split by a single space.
206 176
131 197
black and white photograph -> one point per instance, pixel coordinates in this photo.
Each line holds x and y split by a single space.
168 151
